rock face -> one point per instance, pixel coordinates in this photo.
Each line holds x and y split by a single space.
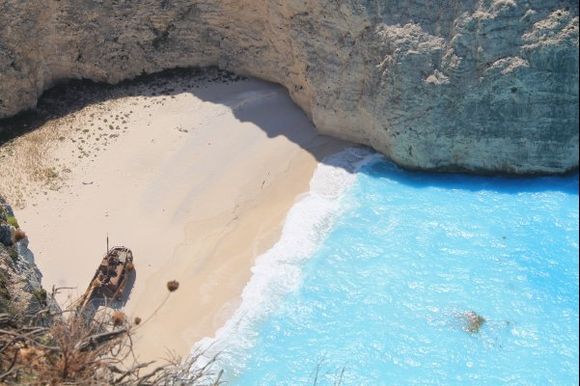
488 85
20 290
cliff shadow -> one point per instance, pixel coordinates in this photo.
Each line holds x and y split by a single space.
268 106
68 96
27 254
567 183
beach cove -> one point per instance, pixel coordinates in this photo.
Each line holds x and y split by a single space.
194 175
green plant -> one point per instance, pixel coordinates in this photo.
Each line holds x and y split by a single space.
12 221
40 295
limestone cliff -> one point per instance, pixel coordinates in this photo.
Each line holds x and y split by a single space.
486 85
20 290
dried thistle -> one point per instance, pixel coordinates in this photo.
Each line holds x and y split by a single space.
118 318
172 285
19 234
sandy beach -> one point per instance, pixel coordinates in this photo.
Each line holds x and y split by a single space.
196 181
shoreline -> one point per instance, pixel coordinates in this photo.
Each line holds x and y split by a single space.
278 271
197 184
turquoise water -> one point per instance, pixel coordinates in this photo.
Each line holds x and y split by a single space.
381 298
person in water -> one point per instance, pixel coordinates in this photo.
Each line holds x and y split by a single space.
473 321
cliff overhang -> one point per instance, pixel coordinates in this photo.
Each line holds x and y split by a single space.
481 86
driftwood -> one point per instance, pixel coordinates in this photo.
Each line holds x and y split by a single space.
93 341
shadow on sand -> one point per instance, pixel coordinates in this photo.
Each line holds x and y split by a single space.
269 115
95 304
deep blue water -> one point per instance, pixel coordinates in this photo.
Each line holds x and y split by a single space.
381 301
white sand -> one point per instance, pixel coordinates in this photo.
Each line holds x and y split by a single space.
197 186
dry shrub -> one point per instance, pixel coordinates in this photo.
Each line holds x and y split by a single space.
19 234
62 352
30 355
172 285
118 318
68 348
72 362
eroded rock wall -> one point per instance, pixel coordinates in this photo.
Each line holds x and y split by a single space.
21 292
488 85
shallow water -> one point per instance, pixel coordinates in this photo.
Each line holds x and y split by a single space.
380 298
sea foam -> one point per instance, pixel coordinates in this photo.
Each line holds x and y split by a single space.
278 271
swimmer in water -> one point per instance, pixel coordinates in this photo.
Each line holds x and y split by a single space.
473 320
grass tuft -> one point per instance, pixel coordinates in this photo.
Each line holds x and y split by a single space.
12 221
